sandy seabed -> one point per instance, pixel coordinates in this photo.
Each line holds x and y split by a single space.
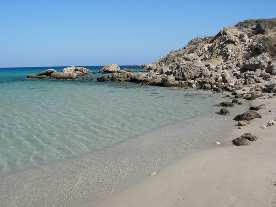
177 165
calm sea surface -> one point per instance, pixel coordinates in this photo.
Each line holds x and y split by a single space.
43 121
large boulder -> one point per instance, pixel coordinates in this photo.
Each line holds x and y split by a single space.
111 68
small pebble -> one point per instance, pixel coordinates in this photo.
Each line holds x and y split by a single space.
263 127
270 123
218 142
153 174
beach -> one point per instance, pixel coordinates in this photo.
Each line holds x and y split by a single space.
225 176
157 170
94 177
193 128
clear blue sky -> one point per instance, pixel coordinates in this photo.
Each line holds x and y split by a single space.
95 32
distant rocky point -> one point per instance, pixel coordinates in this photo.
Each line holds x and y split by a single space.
67 73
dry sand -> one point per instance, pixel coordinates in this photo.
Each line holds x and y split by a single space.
228 176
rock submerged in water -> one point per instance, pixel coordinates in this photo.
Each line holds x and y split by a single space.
247 116
63 76
68 73
111 68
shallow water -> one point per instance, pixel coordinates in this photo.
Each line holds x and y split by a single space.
45 121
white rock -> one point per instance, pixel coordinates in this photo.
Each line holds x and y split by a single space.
111 68
153 174
218 142
263 127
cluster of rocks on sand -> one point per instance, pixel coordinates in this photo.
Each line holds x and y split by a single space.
68 73
240 59
244 119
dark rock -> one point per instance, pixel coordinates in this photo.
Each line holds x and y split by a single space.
256 108
236 101
249 136
223 111
266 24
103 78
37 76
270 88
240 141
244 139
247 116
242 123
47 72
226 104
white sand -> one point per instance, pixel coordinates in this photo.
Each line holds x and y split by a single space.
227 176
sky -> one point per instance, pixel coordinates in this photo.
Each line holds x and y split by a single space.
126 32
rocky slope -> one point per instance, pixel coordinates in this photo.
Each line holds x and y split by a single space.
237 57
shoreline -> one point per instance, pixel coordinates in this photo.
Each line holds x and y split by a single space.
226 176
94 179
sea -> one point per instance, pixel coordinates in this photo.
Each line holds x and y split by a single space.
50 121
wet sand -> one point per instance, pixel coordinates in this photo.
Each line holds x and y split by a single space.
224 176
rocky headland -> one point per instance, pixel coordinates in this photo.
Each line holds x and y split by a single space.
240 59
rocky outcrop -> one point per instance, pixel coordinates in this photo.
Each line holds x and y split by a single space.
68 73
111 68
238 57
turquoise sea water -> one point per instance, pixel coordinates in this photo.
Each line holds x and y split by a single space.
43 121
